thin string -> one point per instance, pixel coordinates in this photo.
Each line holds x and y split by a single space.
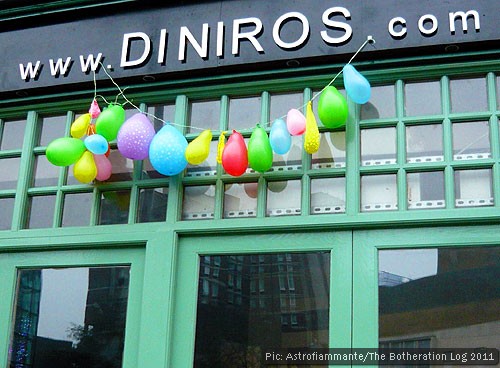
369 39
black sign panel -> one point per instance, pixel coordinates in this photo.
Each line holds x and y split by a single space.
235 33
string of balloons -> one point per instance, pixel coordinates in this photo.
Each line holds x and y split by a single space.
168 150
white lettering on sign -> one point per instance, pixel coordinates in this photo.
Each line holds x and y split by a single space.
137 47
90 63
284 18
127 38
58 68
250 35
186 35
335 24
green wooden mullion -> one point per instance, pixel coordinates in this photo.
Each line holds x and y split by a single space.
353 160
261 197
224 113
220 188
2 123
491 80
58 209
10 153
379 169
402 195
265 107
96 206
305 195
326 173
134 204
25 172
7 193
449 180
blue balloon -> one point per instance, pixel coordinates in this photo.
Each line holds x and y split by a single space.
166 151
96 144
357 87
280 137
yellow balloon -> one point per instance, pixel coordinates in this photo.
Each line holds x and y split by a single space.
311 136
85 169
80 125
198 150
220 147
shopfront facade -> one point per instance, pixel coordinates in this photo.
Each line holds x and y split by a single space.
386 236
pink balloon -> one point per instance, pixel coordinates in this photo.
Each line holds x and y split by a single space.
94 110
295 122
104 167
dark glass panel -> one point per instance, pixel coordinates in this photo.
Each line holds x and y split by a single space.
248 303
152 204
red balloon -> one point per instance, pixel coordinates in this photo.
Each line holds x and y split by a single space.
234 156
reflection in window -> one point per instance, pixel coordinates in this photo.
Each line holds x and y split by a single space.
240 200
378 146
471 140
468 95
9 172
331 153
6 211
46 174
446 297
378 193
382 104
473 188
199 202
204 114
281 104
122 166
165 112
71 317
114 207
52 127
76 210
283 198
282 302
328 195
424 143
12 135
292 160
244 113
422 98
152 205
426 190
41 213
149 172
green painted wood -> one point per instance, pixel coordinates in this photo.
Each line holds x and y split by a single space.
75 258
186 283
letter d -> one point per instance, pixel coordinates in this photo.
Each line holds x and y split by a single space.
127 37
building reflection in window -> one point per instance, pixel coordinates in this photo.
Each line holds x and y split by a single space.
248 303
72 317
440 298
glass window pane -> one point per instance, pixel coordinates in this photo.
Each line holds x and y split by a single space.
199 202
240 200
471 140
9 172
6 212
331 151
165 112
468 95
207 167
46 174
424 143
114 207
423 98
379 193
149 172
281 103
473 188
426 190
246 308
70 317
52 127
122 167
378 146
244 113
283 198
382 103
41 214
12 135
328 195
76 210
292 160
447 296
204 114
152 204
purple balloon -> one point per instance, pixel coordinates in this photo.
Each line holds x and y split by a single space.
135 136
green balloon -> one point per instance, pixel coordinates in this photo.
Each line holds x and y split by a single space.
332 108
260 153
109 122
65 151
